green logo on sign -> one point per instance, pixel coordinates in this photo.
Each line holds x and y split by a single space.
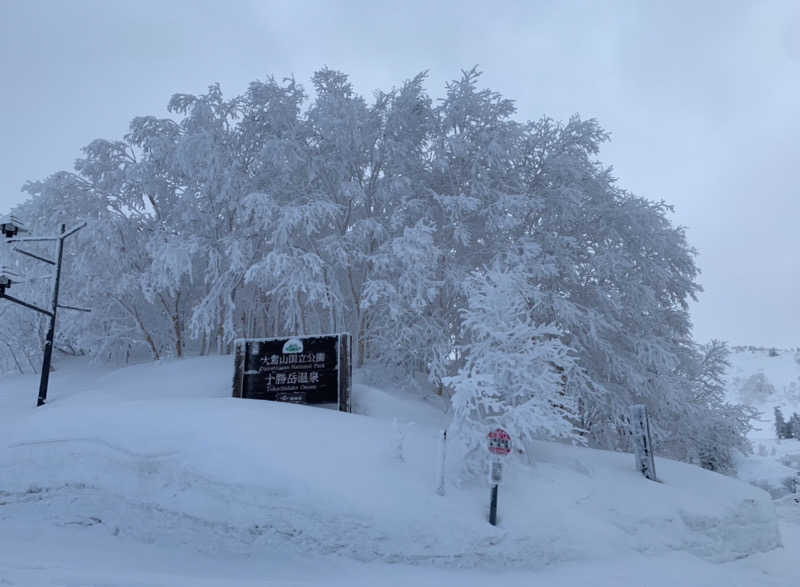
293 345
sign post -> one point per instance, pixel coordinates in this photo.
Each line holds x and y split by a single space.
499 446
642 444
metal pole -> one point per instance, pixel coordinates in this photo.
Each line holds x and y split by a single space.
493 506
440 489
48 345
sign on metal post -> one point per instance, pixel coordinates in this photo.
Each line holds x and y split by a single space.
300 369
499 446
642 444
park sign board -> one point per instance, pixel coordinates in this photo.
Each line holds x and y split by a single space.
299 369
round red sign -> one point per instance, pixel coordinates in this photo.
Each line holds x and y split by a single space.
499 442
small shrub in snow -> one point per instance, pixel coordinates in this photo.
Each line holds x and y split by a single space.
756 389
784 429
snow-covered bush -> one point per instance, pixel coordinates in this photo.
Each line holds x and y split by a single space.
515 368
756 389
709 431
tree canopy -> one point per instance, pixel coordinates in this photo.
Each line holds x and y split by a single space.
497 257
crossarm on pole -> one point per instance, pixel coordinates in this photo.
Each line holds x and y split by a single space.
73 230
27 305
74 308
35 256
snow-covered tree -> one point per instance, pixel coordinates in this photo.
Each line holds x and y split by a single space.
715 428
756 389
515 368
780 424
793 426
413 224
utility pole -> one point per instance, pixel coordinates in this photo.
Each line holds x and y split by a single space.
48 345
10 229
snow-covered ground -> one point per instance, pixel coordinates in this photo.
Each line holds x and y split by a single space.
153 475
765 380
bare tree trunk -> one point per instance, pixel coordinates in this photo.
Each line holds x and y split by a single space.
177 326
301 310
220 337
265 315
175 317
357 322
135 315
33 367
362 341
16 362
331 309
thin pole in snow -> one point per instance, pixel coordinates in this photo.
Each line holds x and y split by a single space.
493 506
440 489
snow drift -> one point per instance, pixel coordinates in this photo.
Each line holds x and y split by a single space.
159 454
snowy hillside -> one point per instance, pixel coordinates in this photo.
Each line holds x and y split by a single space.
152 475
766 379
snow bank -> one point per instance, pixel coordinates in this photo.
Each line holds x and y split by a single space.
776 469
159 454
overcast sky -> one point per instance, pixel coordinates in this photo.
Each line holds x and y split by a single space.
702 100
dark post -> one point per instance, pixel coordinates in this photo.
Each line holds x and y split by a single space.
642 443
48 345
239 357
345 372
495 477
493 506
